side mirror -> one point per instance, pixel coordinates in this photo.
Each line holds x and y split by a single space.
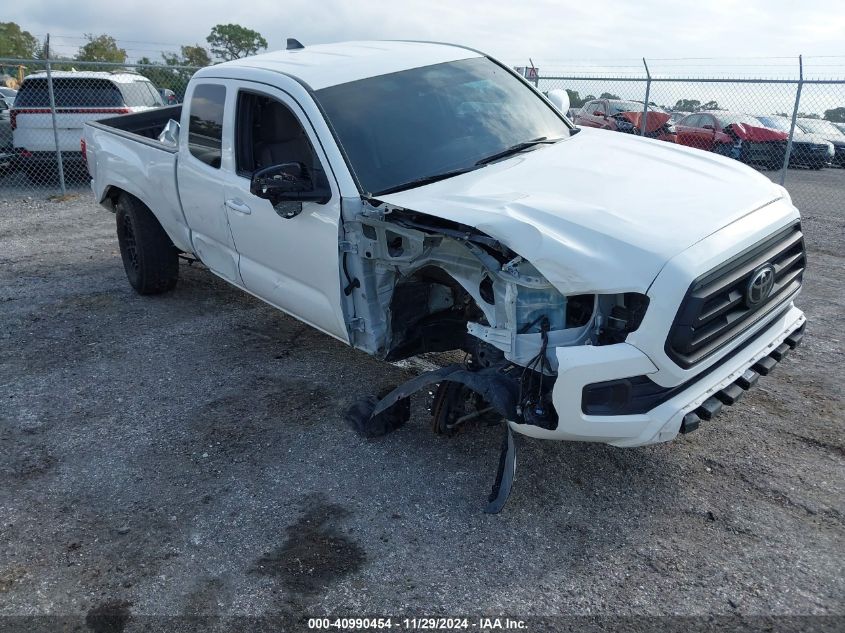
170 133
598 113
708 127
560 99
288 182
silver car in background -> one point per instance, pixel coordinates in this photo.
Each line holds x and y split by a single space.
808 149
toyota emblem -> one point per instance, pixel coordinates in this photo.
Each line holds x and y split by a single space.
760 286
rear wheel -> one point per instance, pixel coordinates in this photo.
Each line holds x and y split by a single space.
149 258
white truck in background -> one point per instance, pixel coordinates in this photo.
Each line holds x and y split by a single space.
408 197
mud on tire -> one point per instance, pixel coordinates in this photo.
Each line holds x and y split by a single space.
149 258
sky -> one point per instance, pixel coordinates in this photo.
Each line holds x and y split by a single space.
736 38
550 32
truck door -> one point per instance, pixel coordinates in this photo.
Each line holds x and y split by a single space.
199 175
289 253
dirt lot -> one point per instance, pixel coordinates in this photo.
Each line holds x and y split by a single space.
187 454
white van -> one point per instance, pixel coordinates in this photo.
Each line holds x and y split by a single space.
80 97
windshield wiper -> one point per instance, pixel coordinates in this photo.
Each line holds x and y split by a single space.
425 180
516 149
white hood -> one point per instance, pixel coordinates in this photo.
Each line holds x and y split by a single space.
601 211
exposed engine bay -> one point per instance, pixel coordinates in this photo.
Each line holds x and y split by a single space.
414 284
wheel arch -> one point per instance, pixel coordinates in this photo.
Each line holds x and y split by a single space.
429 311
178 233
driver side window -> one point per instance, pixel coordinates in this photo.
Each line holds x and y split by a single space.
267 134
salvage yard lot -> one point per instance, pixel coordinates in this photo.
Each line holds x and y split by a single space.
187 454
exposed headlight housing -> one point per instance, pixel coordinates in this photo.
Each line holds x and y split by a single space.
621 315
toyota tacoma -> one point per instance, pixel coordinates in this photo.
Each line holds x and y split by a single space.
413 197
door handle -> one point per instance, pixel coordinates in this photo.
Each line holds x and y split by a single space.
236 205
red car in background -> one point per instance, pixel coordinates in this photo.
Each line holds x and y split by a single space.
739 136
626 116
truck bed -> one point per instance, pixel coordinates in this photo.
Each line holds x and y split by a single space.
142 126
124 152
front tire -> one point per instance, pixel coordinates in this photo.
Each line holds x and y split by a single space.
149 258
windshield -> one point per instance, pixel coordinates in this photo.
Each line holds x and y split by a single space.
775 123
69 93
820 126
414 124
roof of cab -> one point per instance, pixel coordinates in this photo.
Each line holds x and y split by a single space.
326 65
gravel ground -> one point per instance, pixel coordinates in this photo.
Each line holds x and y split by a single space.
186 454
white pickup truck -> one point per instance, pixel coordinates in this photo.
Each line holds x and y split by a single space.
410 197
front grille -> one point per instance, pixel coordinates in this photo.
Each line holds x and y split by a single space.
715 309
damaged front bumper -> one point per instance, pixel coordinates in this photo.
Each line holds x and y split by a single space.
677 408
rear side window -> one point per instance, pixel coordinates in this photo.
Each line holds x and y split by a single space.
70 92
205 129
140 93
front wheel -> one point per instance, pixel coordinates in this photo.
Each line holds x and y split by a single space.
149 258
456 407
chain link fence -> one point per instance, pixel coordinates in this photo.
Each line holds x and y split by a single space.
792 129
44 106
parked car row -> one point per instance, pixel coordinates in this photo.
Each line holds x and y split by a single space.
627 116
755 140
739 136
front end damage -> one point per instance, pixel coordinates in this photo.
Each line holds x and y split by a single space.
414 283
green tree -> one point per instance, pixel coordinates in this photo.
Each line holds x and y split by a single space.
837 115
101 48
166 75
190 56
608 95
710 105
158 73
17 43
687 105
233 41
575 100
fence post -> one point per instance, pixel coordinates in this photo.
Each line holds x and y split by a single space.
53 115
643 124
794 117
